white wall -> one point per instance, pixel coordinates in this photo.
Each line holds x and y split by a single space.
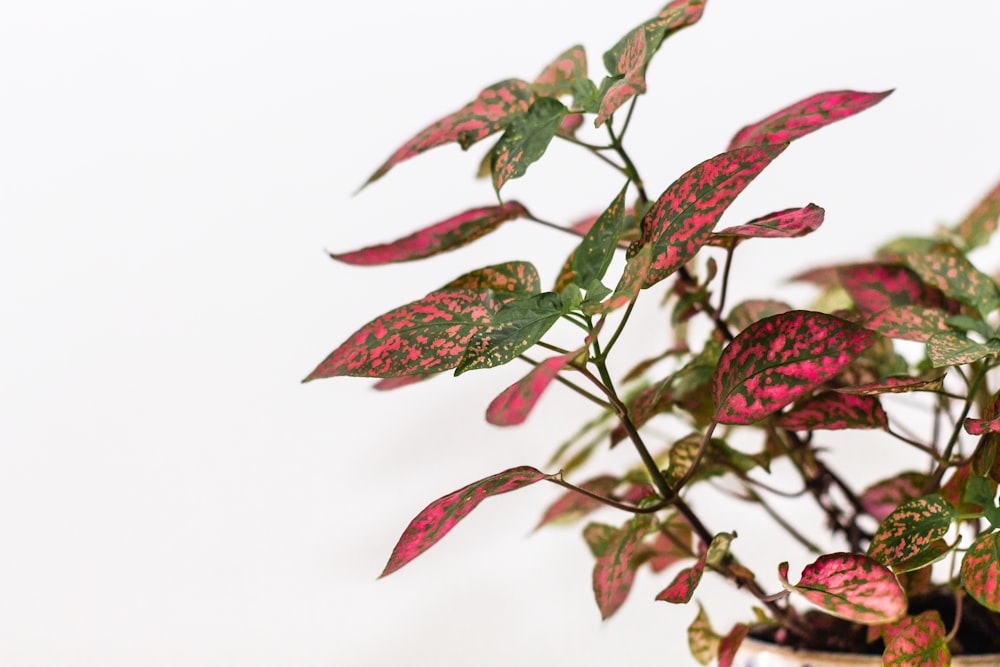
170 174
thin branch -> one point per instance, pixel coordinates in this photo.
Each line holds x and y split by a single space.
610 502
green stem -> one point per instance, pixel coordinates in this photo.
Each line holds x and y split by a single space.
618 331
927 449
630 169
628 118
552 225
725 279
957 430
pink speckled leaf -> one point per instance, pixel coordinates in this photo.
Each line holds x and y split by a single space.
833 411
675 16
614 571
747 312
702 639
950 348
850 586
986 425
507 279
778 359
558 77
388 384
525 140
681 220
789 223
806 116
912 533
443 236
917 323
916 641
874 287
516 402
427 335
684 584
978 226
631 64
440 516
730 644
598 536
947 269
514 328
981 570
881 498
490 112
573 505
895 385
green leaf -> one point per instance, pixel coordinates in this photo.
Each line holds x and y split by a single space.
947 268
614 571
916 641
519 324
525 140
629 285
981 570
912 533
966 323
718 550
950 348
561 75
850 586
978 226
595 252
598 536
702 639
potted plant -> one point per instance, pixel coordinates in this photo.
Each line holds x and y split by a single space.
911 569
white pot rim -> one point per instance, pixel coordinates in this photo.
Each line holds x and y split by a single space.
772 655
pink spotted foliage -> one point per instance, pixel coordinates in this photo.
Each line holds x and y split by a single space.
912 535
440 516
572 505
916 641
917 323
614 570
875 287
882 497
786 224
558 77
832 411
981 570
985 425
850 586
682 588
516 402
730 644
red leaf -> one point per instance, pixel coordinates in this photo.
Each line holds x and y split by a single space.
681 220
515 403
684 584
490 112
440 516
806 116
875 287
832 411
916 641
572 505
789 223
981 570
614 572
447 235
508 278
558 76
730 644
850 586
669 550
427 335
881 498
778 359
895 385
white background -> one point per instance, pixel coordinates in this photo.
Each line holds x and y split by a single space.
170 175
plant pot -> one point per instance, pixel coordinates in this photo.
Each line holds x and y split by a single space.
756 653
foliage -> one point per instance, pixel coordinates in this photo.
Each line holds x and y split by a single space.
765 371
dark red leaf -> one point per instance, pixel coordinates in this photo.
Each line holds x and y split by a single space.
682 219
881 498
850 586
985 425
778 359
440 237
833 411
440 516
875 287
789 223
806 116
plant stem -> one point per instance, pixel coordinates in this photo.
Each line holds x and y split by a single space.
780 520
725 279
927 449
571 385
702 448
618 331
552 225
629 169
610 502
956 431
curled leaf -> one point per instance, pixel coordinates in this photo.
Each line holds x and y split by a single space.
789 223
850 586
895 385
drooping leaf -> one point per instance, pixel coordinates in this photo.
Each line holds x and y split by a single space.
833 411
595 252
912 530
702 639
981 570
895 385
490 112
747 312
506 278
388 384
440 516
558 77
806 116
950 348
427 335
449 234
916 641
515 403
526 139
978 226
917 323
682 219
882 497
730 644
947 269
614 571
789 223
778 359
572 505
684 584
875 286
850 586
516 326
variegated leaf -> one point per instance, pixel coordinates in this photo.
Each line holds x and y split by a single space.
895 385
778 359
629 285
981 570
490 112
669 550
525 140
516 402
987 424
917 323
558 77
950 348
730 644
789 223
718 549
388 384
684 584
747 312
833 411
572 505
682 219
911 532
440 516
947 269
598 536
631 64
850 586
427 335
614 571
881 498
595 252
702 639
806 116
875 287
516 326
978 226
916 641
506 278
449 234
